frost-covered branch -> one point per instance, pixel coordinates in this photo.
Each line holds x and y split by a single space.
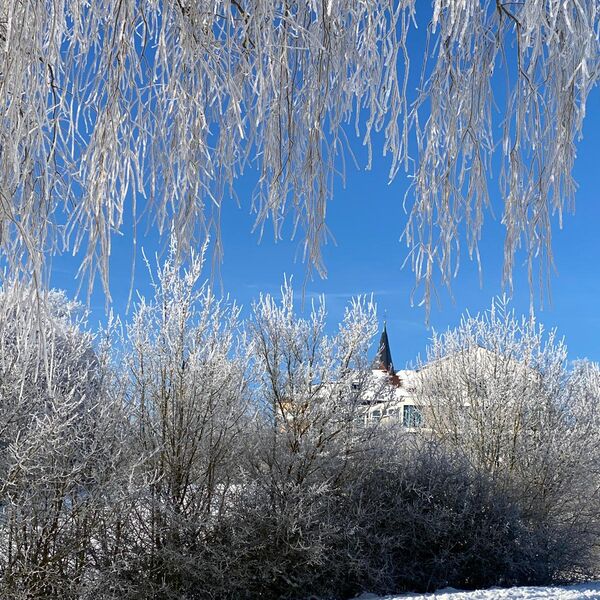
115 111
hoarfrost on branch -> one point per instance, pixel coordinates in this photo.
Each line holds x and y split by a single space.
119 111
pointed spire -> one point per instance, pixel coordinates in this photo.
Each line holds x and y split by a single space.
383 359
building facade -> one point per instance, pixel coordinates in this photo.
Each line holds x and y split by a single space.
393 398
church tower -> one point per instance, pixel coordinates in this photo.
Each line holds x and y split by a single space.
383 359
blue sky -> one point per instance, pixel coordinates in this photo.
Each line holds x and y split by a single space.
367 218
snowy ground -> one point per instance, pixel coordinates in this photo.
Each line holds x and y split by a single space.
584 591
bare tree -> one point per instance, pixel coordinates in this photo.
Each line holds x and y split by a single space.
113 109
309 381
308 446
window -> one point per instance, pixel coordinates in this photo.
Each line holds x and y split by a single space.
376 415
412 416
392 413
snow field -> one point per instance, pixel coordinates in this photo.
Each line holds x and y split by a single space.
583 591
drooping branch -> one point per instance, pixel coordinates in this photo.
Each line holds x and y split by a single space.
548 55
154 110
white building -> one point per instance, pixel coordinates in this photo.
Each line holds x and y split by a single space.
393 399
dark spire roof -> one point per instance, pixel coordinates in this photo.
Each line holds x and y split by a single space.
383 359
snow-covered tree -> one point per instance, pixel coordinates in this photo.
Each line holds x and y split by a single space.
186 384
310 381
499 391
61 445
115 109
308 446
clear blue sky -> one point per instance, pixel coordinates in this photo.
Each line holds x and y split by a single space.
367 219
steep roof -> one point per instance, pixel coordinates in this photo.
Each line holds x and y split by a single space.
383 359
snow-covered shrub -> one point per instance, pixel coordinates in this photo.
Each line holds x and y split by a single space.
306 450
502 395
60 445
184 380
433 522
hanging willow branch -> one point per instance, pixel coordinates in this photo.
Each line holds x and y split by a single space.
116 111
547 53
